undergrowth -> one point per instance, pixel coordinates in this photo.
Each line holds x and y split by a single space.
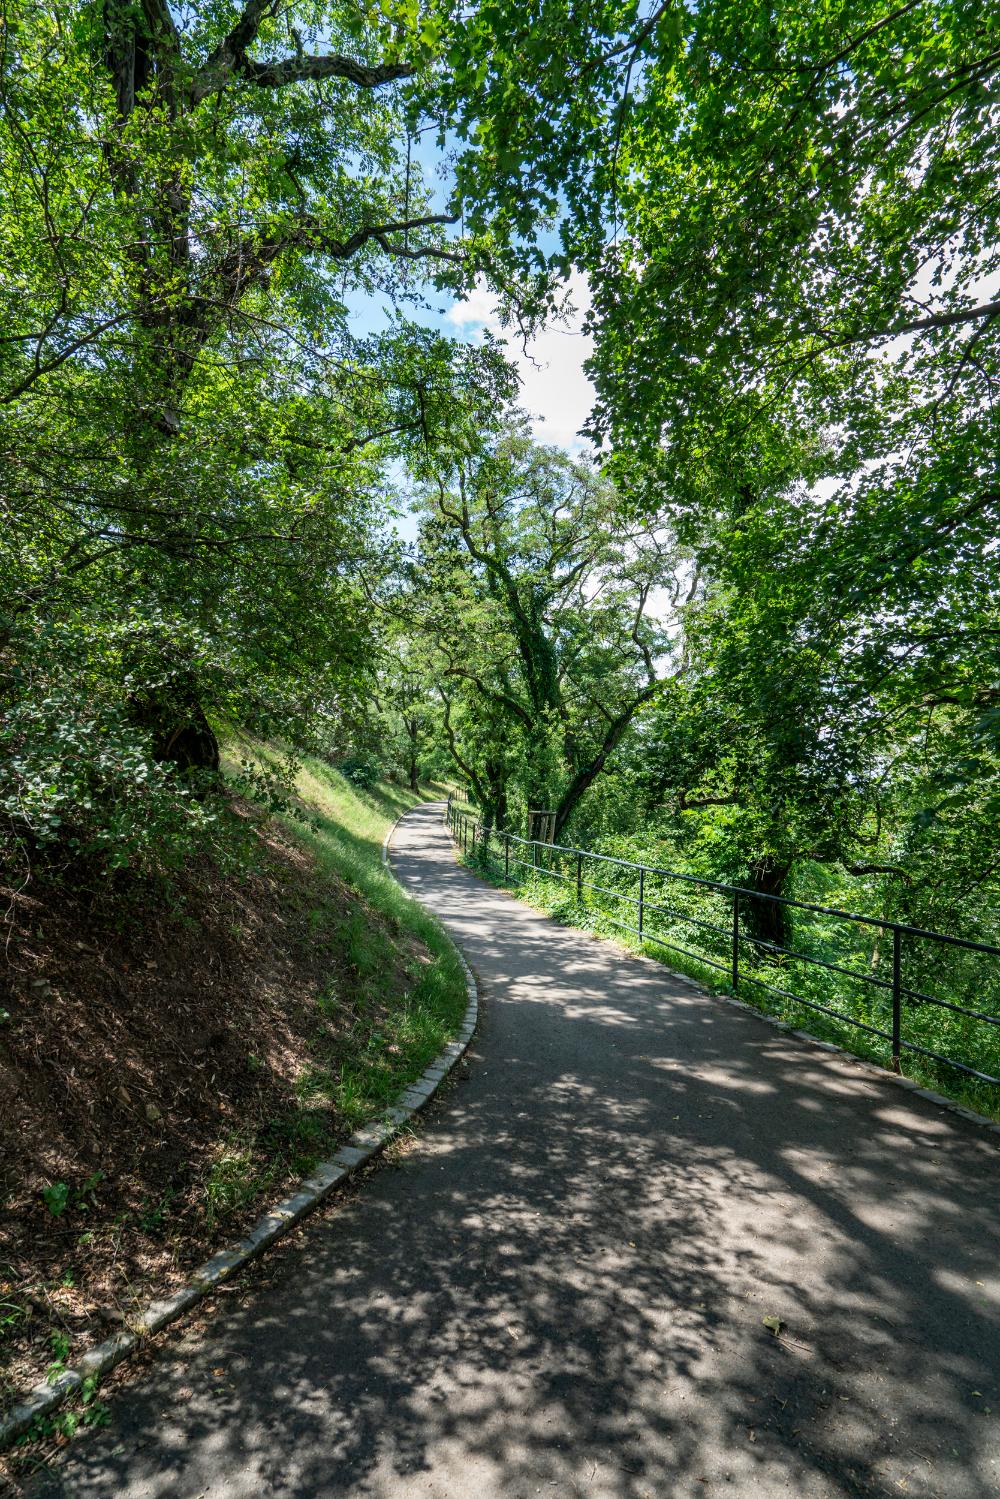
558 899
344 827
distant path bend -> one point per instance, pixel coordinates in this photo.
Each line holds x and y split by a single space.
560 1290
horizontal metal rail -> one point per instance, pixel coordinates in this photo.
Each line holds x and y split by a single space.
759 895
469 830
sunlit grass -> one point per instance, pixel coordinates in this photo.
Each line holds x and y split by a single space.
397 1027
558 900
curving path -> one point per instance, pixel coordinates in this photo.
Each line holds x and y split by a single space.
560 1290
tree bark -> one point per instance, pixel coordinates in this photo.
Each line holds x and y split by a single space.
768 919
181 733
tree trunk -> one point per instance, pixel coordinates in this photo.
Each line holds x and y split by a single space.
181 734
494 802
495 810
411 730
767 920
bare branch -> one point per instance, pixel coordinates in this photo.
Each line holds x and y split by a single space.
244 264
860 869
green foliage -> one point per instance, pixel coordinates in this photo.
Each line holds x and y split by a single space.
82 1410
689 928
56 1198
60 1343
13 1314
78 778
60 1195
193 442
532 603
364 771
232 1180
796 358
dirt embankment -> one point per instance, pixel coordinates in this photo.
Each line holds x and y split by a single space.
152 1061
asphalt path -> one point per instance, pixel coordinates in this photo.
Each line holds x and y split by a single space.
560 1290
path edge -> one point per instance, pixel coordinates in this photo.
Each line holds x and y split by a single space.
879 1074
361 1147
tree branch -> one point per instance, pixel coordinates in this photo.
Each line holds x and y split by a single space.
879 869
917 325
589 773
245 264
466 769
316 68
229 60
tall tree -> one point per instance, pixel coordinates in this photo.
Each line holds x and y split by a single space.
798 345
542 607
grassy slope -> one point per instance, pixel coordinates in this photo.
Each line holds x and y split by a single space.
254 1029
346 836
407 987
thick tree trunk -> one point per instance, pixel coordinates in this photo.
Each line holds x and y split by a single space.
181 734
494 801
495 810
767 920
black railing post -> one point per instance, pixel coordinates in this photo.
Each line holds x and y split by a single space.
736 940
480 835
897 943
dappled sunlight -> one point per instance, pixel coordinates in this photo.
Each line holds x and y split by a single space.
563 1288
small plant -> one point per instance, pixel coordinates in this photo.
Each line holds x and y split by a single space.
328 1004
364 771
60 1343
230 1183
84 1197
60 1195
56 1198
12 1314
85 1411
152 1215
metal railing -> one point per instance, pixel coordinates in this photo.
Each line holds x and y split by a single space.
733 946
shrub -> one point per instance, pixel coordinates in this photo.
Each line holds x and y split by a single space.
364 770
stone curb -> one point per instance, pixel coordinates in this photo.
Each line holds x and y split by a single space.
881 1074
365 1143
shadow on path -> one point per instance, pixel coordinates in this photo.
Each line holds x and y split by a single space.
560 1290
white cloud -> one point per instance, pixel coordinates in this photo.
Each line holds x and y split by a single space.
554 389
